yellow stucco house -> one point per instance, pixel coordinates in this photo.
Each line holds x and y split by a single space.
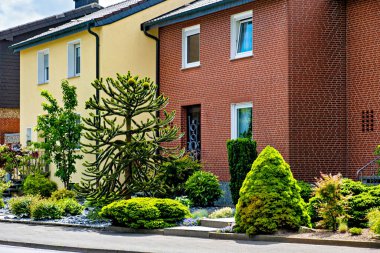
101 44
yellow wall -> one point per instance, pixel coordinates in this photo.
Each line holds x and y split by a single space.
123 47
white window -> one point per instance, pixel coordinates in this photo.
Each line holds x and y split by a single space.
28 136
241 35
190 47
43 66
241 120
74 58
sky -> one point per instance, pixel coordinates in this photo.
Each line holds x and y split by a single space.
18 12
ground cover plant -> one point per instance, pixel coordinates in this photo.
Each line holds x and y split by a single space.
374 220
148 213
203 188
225 212
270 197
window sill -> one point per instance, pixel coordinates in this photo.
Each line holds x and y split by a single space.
191 67
72 77
238 57
43 83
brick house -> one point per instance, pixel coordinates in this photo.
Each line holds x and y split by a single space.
10 61
302 76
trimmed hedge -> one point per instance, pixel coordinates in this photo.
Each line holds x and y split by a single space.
148 213
38 185
270 197
241 154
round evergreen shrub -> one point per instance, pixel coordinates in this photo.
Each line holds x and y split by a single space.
306 190
270 197
361 204
46 209
38 185
351 187
20 206
241 154
63 194
149 213
312 209
203 188
70 206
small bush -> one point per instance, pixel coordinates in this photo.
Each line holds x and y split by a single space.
2 204
241 154
38 185
200 213
351 187
333 204
20 206
191 222
343 227
149 213
184 200
312 209
355 231
270 197
203 188
374 220
225 212
63 194
70 206
46 209
306 190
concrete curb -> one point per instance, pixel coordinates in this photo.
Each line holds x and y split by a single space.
274 238
39 223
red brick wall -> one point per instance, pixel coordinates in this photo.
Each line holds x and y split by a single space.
317 88
8 126
218 82
363 78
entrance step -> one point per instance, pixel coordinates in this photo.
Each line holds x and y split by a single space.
217 223
196 231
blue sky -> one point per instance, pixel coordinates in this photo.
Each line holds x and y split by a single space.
17 12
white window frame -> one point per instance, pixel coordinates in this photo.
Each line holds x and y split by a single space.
234 123
186 32
41 75
236 21
28 136
71 58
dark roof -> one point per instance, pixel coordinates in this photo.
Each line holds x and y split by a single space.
48 22
193 10
102 17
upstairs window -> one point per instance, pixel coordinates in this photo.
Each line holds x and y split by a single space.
74 59
190 47
241 35
43 66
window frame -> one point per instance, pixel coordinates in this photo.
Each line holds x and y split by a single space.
29 136
234 117
236 21
71 58
42 78
186 32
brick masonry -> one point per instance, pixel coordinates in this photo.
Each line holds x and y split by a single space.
9 122
315 69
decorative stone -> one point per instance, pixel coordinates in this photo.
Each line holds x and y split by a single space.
304 230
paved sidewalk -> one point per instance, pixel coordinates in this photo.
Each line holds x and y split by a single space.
84 240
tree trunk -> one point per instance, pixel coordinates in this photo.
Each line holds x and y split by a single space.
128 169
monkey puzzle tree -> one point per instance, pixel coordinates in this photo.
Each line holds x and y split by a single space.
126 135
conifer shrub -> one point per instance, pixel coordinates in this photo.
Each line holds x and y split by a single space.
2 204
203 188
361 204
63 194
270 197
148 213
38 184
241 154
70 206
306 190
374 220
351 187
46 209
355 231
20 206
312 210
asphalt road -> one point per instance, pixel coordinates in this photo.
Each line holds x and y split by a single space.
11 249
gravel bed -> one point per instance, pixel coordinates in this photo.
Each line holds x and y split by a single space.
209 209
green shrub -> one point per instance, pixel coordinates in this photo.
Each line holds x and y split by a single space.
270 197
306 190
374 220
203 188
2 204
343 227
355 231
174 175
312 209
46 209
225 212
241 154
38 185
333 204
360 205
200 213
351 187
184 200
149 213
70 206
20 206
63 194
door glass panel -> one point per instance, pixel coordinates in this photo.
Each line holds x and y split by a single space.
194 131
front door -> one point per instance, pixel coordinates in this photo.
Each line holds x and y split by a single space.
194 131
